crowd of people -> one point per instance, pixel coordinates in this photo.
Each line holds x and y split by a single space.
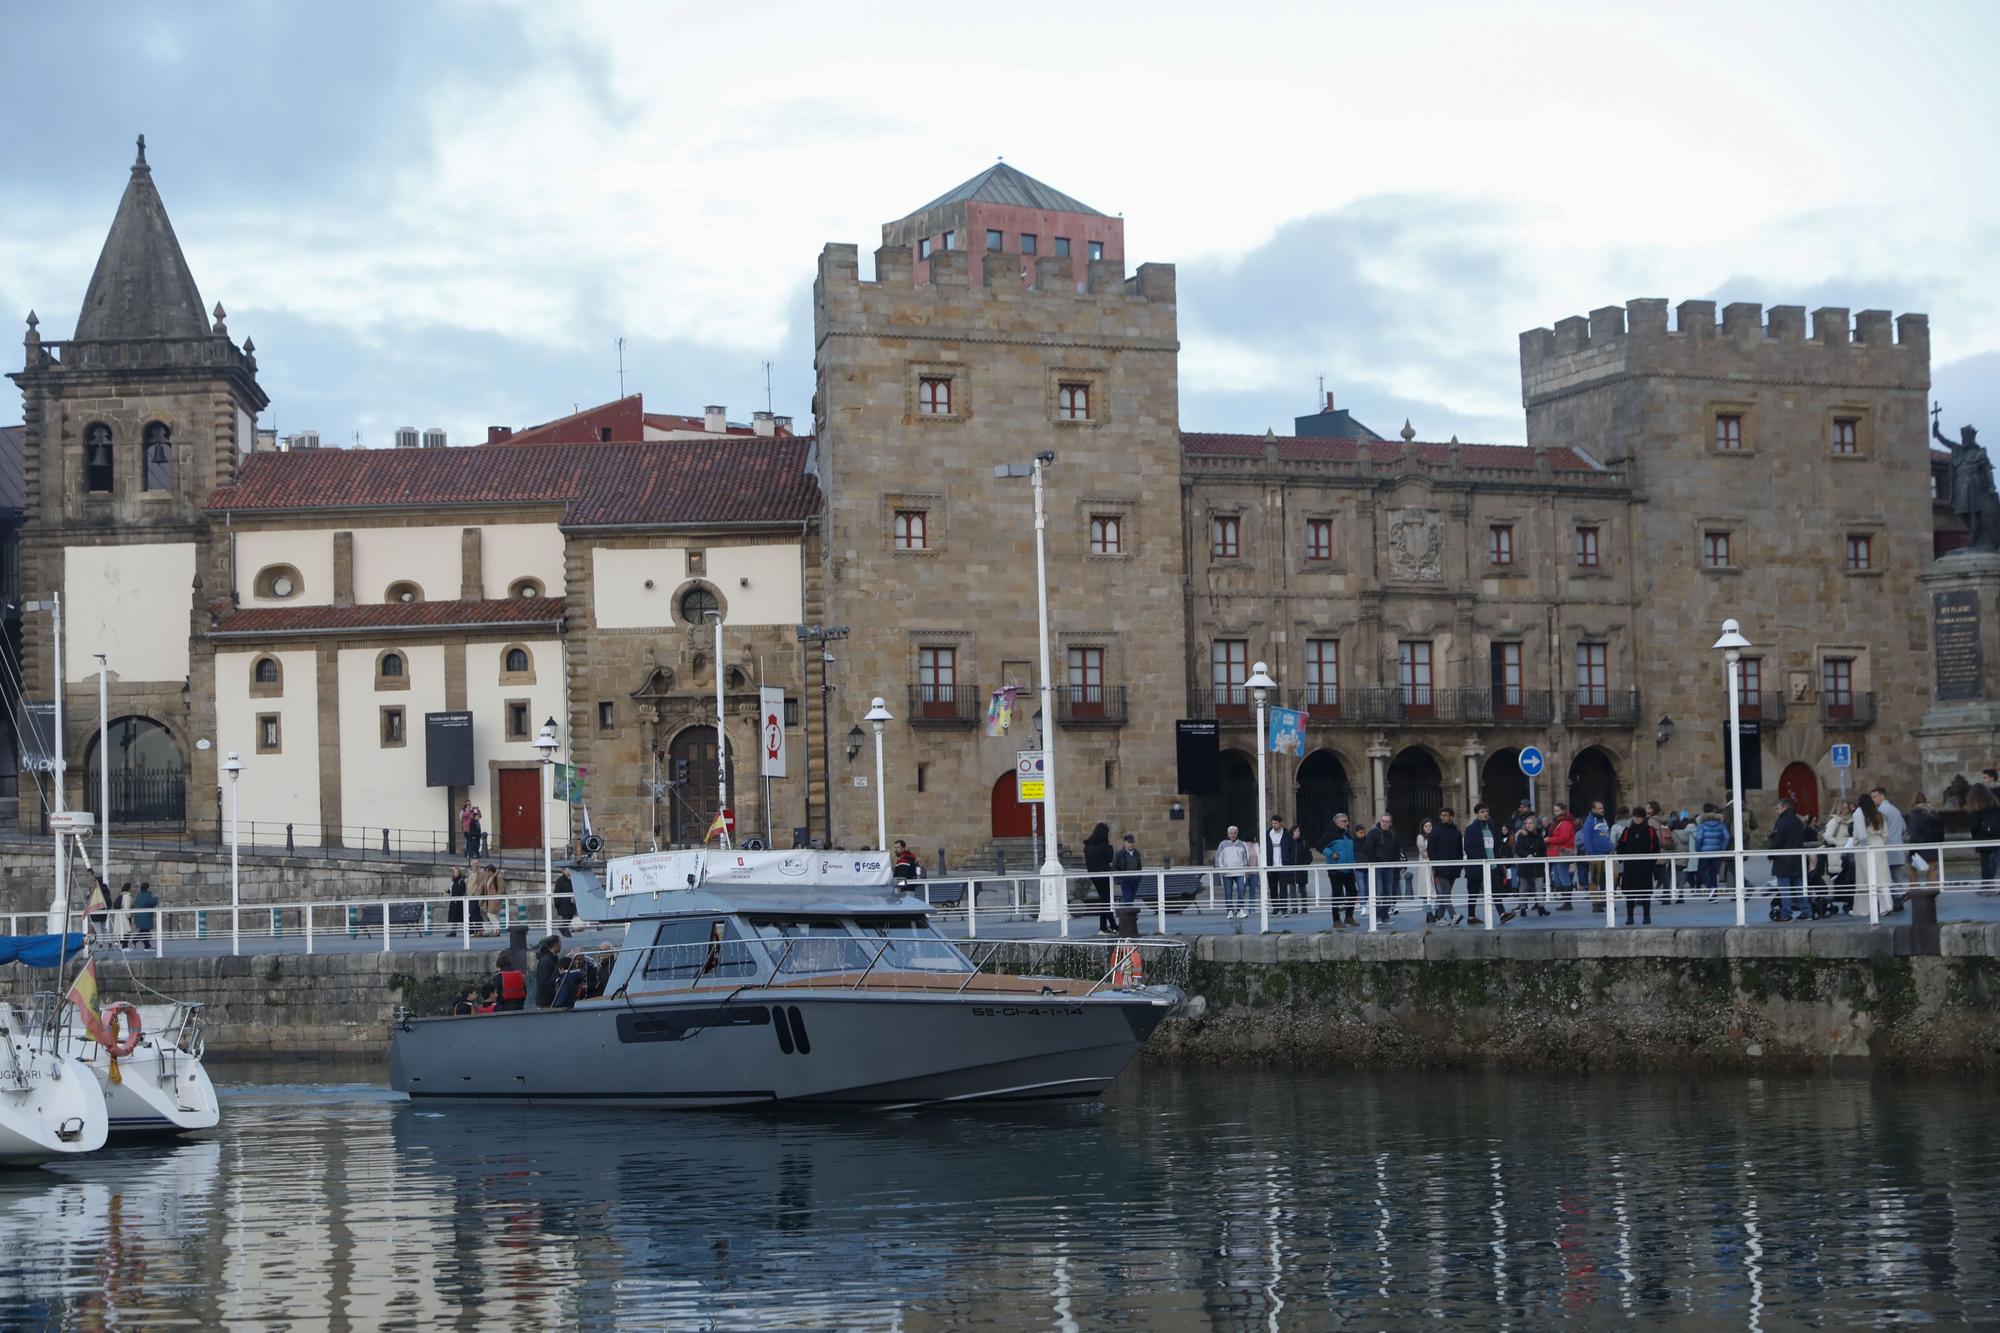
129 918
1528 864
549 979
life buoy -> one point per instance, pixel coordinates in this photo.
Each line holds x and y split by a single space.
121 1046
1128 969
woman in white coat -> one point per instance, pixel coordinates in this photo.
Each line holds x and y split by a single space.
1867 829
1426 880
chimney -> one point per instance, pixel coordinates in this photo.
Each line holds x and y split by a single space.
434 437
1329 400
715 420
406 437
495 434
766 425
783 424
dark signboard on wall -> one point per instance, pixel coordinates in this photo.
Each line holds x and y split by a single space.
448 749
1961 668
1199 772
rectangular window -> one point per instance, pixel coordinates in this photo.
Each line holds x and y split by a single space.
911 530
994 239
923 778
1062 246
1413 677
1586 548
924 248
1107 534
1593 693
268 734
1323 677
934 396
392 726
1752 701
1097 249
517 720
1229 667
1715 550
1027 242
1505 660
1860 552
937 681
693 950
1500 544
1223 533
1729 431
1086 682
606 715
1836 686
1072 402
951 240
1846 435
1319 539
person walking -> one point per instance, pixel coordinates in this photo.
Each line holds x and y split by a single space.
456 912
1097 857
1529 848
1127 858
1382 851
1895 832
1276 851
1232 858
1483 843
1446 844
1868 831
1839 869
1985 810
1426 882
1300 855
1636 846
1561 842
1925 831
1594 841
1340 854
144 918
1789 834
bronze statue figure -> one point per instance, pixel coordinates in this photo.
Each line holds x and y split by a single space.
1972 495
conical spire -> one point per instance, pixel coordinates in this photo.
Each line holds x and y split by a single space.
142 287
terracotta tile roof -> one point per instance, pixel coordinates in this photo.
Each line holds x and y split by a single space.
270 621
1380 453
729 480
622 417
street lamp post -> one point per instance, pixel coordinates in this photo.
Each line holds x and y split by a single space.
233 766
1261 685
877 715
1054 898
1732 643
548 744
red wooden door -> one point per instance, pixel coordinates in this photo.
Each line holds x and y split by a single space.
1010 818
1799 784
520 808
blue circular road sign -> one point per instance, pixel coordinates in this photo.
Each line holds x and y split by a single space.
1532 761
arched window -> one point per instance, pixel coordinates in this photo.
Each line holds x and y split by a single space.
266 671
97 472
158 472
517 660
278 581
403 592
148 783
390 667
696 603
526 588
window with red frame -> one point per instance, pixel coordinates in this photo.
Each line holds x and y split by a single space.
1323 677
1715 550
934 396
1860 552
1224 537
1586 548
1107 534
1500 544
1593 692
1413 676
1086 682
1073 402
1846 435
1319 539
1752 679
1836 686
1506 664
1229 667
911 530
1729 431
937 681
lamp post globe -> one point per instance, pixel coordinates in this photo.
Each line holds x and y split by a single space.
547 743
878 713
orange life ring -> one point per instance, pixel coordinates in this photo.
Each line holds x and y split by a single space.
121 1046
1128 969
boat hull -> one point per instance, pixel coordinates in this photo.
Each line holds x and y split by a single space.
156 1093
60 1112
784 1046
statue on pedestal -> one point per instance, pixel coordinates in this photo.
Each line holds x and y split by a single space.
1973 497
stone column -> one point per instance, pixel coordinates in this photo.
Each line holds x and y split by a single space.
1378 777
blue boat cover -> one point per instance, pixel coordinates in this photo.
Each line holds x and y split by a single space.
39 950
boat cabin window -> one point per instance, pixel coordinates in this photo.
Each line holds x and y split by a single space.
914 945
691 948
812 944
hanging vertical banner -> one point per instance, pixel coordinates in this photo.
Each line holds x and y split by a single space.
1288 731
772 716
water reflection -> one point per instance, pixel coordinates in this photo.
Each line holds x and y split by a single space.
1188 1200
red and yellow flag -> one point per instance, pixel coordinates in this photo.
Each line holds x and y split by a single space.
83 994
97 902
716 828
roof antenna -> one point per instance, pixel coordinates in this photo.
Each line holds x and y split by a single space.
767 387
621 366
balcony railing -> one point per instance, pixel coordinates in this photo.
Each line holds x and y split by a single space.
1844 712
944 706
1601 708
1090 705
1391 705
1769 709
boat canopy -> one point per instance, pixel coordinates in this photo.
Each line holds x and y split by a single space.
674 883
39 950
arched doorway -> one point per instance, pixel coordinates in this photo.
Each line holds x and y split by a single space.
1800 785
695 800
1235 803
1011 819
1502 784
1323 792
1416 792
1592 777
148 779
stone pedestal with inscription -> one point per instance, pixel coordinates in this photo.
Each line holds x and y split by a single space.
1960 731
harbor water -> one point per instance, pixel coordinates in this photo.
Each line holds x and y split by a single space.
1184 1200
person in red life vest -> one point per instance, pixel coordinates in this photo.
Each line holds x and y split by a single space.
511 984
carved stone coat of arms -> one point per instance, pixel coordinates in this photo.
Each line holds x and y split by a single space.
1416 545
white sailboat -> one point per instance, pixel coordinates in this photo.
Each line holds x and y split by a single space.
50 1105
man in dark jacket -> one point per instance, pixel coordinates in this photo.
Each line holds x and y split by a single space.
1447 843
1127 858
1097 855
1788 833
1483 842
548 971
1380 848
1338 849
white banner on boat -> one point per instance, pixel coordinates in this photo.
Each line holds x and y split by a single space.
667 872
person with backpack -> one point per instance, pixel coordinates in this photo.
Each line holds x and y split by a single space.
1641 842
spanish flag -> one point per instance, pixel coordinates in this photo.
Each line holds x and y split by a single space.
97 903
716 829
83 994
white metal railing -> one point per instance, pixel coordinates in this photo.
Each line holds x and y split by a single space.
1489 890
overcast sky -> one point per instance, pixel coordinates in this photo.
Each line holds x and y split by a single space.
446 214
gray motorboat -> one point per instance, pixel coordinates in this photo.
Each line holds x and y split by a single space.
757 978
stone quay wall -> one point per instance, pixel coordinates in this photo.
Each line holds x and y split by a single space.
1697 999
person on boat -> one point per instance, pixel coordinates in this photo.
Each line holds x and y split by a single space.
570 987
548 969
565 901
457 893
487 999
510 983
464 1004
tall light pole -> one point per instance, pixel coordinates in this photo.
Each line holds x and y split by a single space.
548 744
1732 643
1261 685
879 713
1054 899
233 766
58 921
721 737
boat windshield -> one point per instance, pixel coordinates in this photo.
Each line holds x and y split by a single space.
812 944
692 947
914 946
